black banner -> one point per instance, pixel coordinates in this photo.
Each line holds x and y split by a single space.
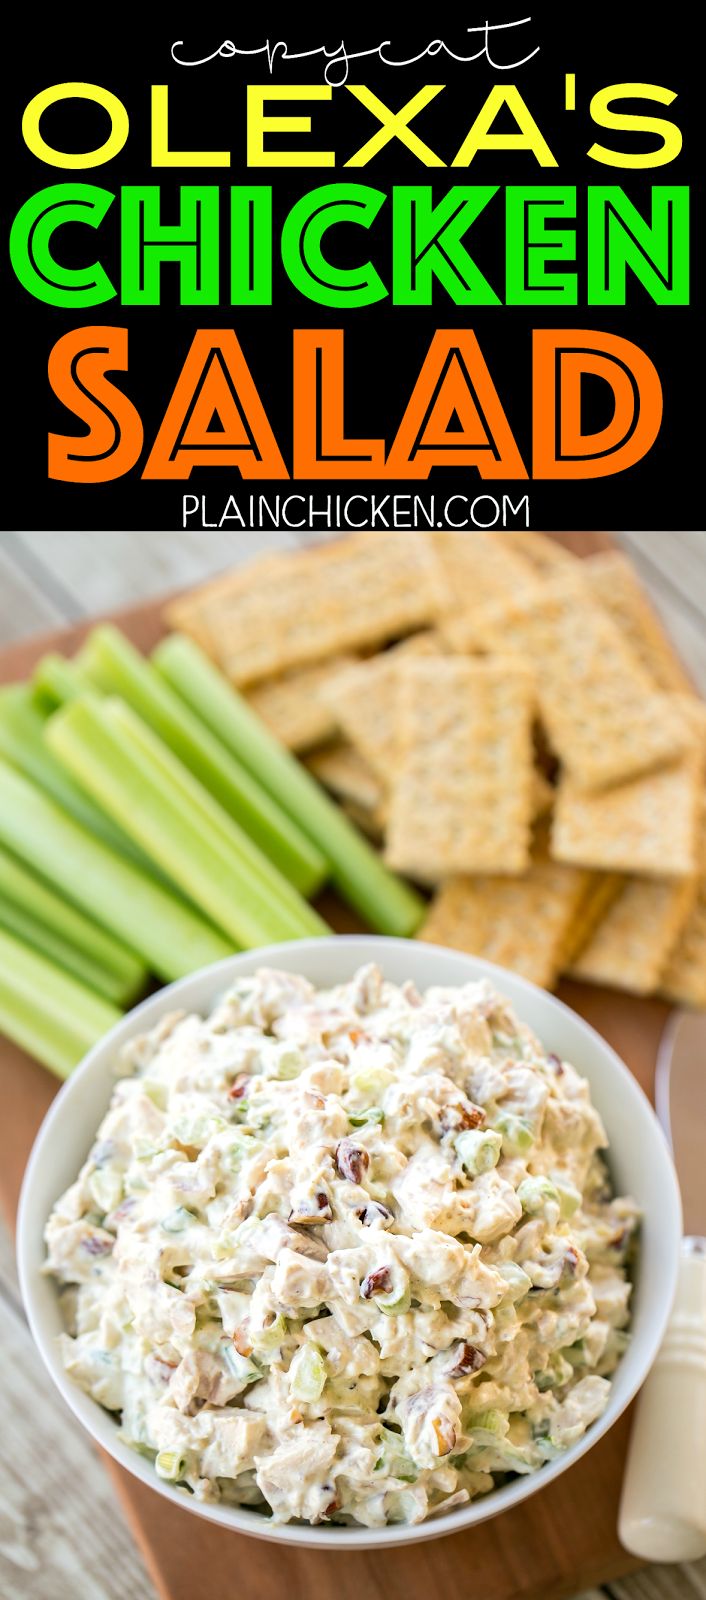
456 292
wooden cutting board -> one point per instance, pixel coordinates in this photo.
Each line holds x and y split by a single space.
563 1539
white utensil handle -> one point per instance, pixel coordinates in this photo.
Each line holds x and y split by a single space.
663 1507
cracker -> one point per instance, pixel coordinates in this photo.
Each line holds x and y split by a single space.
648 825
190 612
614 583
545 555
365 703
602 891
340 768
293 608
601 714
683 977
293 707
371 822
462 799
184 615
543 795
520 923
631 944
474 570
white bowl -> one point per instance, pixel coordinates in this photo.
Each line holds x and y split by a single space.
639 1160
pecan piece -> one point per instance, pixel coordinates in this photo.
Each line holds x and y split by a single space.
239 1087
455 1118
351 1161
191 1151
161 1368
377 1282
241 1339
374 1211
445 1434
320 1211
619 1240
94 1245
122 1211
468 1359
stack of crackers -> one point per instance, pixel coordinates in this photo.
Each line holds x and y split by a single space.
511 724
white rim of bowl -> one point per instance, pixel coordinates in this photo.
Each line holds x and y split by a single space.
253 1523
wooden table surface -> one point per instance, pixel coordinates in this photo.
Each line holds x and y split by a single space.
76 1547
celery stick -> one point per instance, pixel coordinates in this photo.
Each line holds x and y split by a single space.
383 900
22 744
43 1038
42 919
15 920
46 1011
207 855
110 661
171 938
212 818
94 739
56 680
196 794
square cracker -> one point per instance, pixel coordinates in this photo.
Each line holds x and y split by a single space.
613 581
543 795
340 768
601 714
630 946
604 889
371 822
545 555
191 612
462 799
520 923
293 608
683 977
648 825
365 703
475 569
294 708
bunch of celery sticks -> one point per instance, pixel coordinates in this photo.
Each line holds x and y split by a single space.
150 824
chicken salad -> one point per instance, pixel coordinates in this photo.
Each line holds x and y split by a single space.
348 1255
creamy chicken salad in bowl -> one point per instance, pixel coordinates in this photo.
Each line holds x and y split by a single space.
353 1241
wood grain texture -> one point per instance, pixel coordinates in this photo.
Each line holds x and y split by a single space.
104 571
24 606
54 1545
664 1583
678 558
186 1554
673 570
